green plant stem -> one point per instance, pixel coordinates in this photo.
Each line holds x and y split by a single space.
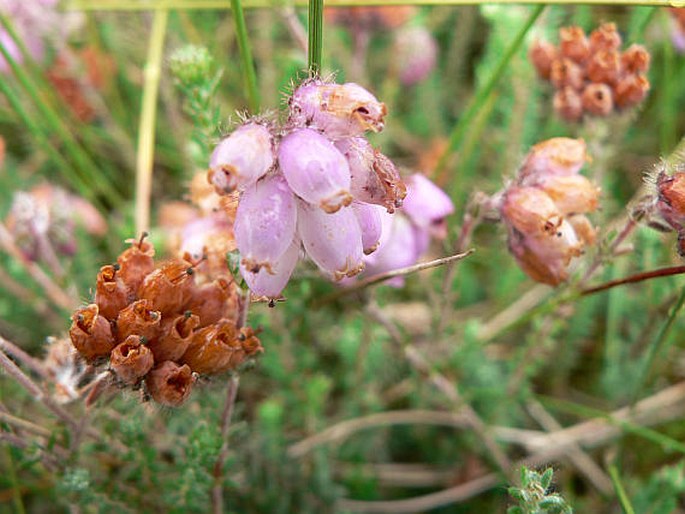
146 131
315 35
137 5
658 346
459 131
620 491
246 56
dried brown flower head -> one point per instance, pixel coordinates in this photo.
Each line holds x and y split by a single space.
169 383
131 360
111 294
91 333
598 99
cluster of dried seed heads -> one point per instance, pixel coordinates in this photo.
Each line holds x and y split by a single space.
156 327
544 209
591 75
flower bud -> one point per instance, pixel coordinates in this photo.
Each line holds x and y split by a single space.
531 211
131 360
214 301
427 205
170 384
605 37
315 170
140 319
598 99
135 263
270 285
240 159
265 222
568 104
635 59
169 287
572 194
174 338
565 72
671 198
111 294
373 177
556 156
369 219
91 333
415 52
604 66
542 54
333 241
573 44
631 90
337 110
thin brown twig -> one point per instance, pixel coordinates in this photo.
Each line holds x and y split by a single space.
226 415
632 279
52 290
16 352
387 275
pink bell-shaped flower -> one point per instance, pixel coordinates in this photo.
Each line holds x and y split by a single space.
336 110
427 205
240 159
397 248
315 170
333 241
265 223
369 218
271 284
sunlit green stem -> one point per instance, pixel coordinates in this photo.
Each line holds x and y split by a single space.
146 130
315 35
246 56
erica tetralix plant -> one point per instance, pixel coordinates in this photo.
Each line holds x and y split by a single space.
544 210
312 183
591 75
155 326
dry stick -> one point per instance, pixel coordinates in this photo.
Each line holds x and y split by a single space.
638 277
226 415
52 290
662 407
295 27
576 455
18 353
440 382
381 277
23 424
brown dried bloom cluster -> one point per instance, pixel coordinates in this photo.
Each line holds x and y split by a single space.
544 210
591 75
158 327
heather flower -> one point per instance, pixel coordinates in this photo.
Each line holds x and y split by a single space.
213 301
315 170
542 54
631 90
111 294
604 66
670 200
573 43
332 241
174 338
416 53
427 205
139 318
598 99
398 248
168 287
91 333
240 159
605 37
571 194
131 360
265 221
135 263
220 348
568 104
336 110
369 219
636 59
556 156
270 285
373 177
565 73
169 383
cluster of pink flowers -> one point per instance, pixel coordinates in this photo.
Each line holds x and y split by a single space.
314 183
544 209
